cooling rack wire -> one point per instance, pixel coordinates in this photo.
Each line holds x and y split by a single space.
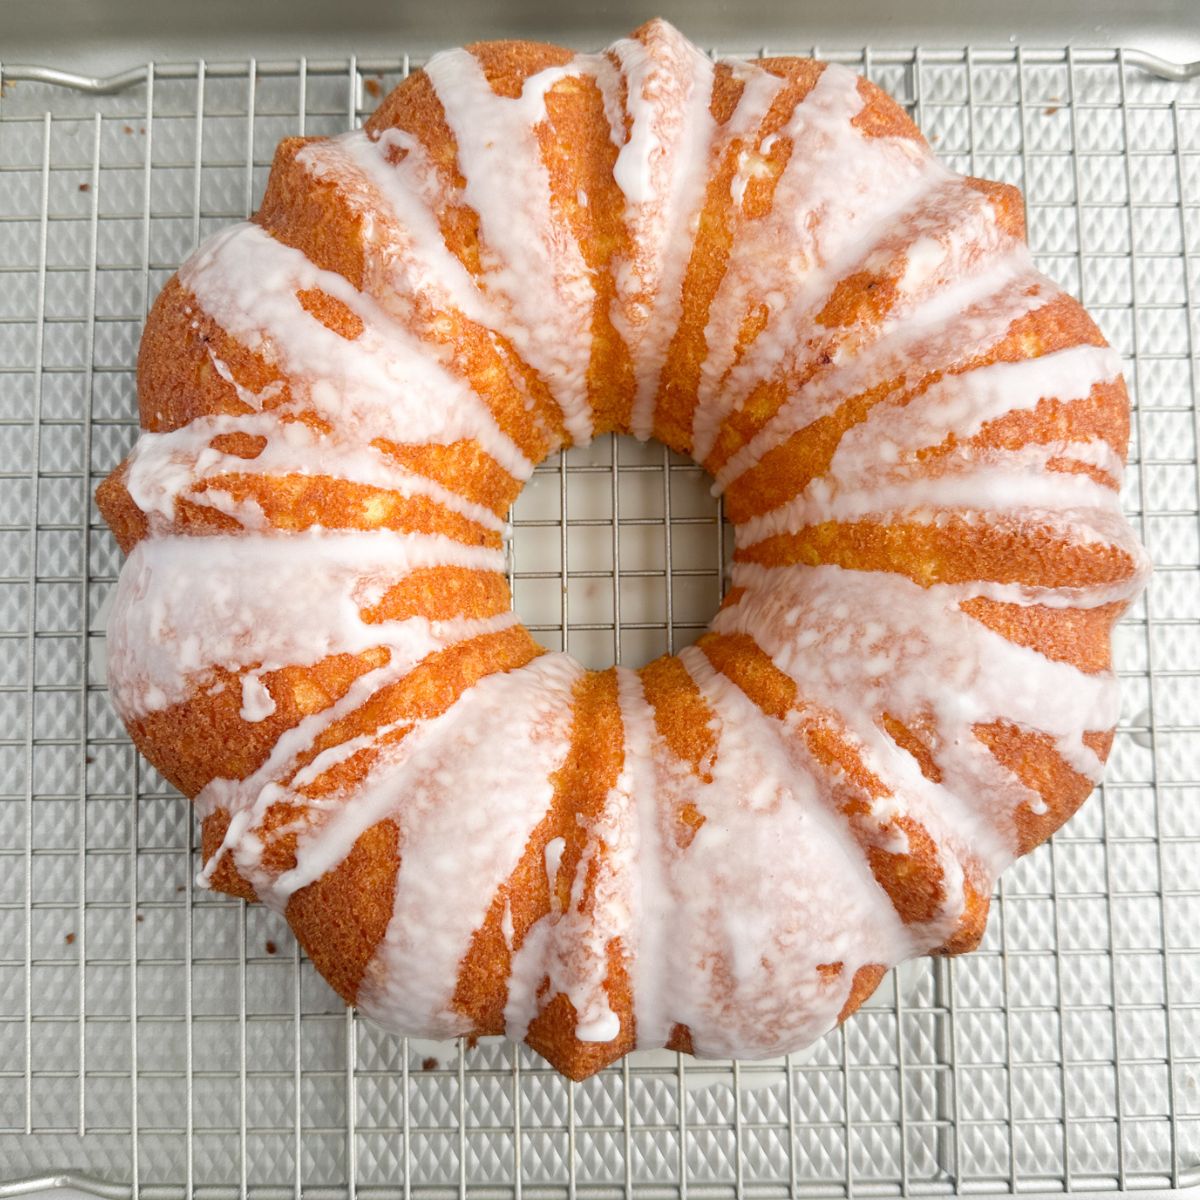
157 1040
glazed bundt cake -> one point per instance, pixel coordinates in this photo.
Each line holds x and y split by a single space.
919 439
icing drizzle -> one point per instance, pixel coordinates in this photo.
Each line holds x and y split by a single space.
750 930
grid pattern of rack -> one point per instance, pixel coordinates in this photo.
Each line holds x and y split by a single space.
163 1039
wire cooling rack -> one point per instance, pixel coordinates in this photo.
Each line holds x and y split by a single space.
158 1040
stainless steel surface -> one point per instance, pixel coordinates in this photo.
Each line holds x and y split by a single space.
161 1040
103 36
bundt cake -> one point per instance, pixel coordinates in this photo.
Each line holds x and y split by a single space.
919 439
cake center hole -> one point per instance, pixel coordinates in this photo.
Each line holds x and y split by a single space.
619 553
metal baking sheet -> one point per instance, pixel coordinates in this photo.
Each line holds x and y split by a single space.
158 1040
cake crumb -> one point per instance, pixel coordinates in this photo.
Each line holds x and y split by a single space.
69 939
1050 110
373 87
271 947
429 1064
85 187
126 128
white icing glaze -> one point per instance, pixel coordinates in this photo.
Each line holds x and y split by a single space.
1051 500
523 252
163 466
962 404
760 89
983 306
385 383
662 170
422 785
570 946
730 932
393 186
828 206
753 949
185 605
860 644
257 702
